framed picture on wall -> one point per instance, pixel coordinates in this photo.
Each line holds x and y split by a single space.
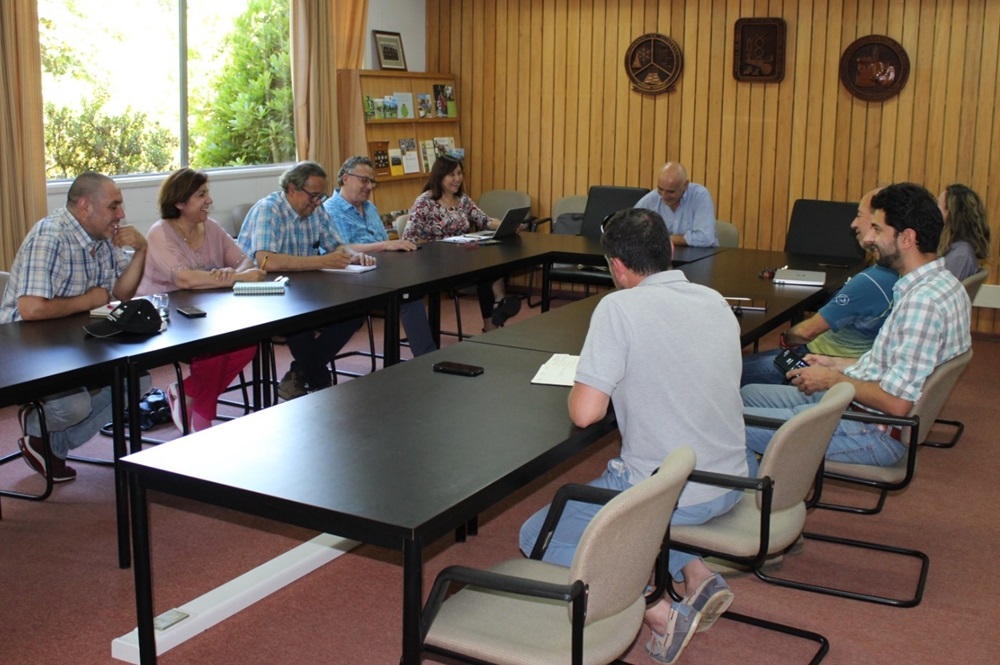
389 46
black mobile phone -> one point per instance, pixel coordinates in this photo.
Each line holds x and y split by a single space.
458 368
191 312
788 360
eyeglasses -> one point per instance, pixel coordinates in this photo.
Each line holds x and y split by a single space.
365 180
314 197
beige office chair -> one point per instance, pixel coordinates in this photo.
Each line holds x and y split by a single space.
917 425
769 521
528 611
728 234
498 201
974 281
401 224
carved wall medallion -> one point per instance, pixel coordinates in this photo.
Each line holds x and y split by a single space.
874 68
759 50
653 62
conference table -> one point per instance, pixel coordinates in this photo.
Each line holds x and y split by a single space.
397 477
403 477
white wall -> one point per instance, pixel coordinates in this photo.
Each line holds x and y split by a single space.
409 19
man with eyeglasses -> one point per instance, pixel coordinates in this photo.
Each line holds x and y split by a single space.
358 222
290 231
686 207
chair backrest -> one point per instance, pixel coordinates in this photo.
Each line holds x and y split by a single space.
401 223
974 281
797 448
728 234
617 550
239 214
603 201
937 388
569 204
823 228
498 201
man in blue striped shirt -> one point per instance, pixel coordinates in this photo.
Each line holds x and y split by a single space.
928 326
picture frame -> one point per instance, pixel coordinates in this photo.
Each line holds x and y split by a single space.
759 50
389 46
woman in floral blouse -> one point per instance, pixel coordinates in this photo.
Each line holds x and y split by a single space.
444 210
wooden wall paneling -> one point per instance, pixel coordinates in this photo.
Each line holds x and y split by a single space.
725 208
567 91
983 130
863 179
630 157
688 88
777 216
555 33
616 147
473 93
741 119
645 129
488 77
705 60
817 112
720 47
952 96
988 320
797 78
583 95
606 46
432 36
504 87
525 94
827 100
509 155
966 140
535 135
894 112
926 116
842 141
674 101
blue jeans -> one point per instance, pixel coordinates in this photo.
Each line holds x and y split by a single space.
760 367
577 516
852 442
74 417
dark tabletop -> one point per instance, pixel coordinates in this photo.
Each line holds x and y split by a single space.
403 453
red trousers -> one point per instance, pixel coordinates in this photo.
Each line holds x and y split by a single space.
211 375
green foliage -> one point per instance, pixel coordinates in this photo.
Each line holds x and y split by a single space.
87 139
250 119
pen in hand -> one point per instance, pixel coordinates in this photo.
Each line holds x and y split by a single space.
263 264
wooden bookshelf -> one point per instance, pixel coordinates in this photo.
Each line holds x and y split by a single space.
356 132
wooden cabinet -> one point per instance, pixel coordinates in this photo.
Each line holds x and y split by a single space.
357 132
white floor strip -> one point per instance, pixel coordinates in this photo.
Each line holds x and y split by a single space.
183 623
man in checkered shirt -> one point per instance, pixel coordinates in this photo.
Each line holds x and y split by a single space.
928 326
70 262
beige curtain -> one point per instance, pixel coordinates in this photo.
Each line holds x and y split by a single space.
326 36
22 138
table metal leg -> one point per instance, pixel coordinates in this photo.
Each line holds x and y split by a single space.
413 572
143 573
546 285
390 336
119 451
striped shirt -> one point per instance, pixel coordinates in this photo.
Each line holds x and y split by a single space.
59 259
273 225
928 326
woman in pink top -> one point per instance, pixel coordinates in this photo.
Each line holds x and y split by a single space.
188 250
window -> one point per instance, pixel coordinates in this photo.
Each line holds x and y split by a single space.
124 95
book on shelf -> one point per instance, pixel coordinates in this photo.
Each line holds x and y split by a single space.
395 161
445 104
369 106
428 153
445 146
411 160
276 288
425 108
390 107
378 108
404 105
378 151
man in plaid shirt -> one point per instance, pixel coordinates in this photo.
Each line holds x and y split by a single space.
289 231
72 261
928 326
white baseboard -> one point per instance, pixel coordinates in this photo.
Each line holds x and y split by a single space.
221 603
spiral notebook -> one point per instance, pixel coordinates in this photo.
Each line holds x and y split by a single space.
275 288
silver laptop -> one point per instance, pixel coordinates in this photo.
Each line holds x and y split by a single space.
799 277
512 219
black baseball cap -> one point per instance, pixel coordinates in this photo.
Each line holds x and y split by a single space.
135 317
